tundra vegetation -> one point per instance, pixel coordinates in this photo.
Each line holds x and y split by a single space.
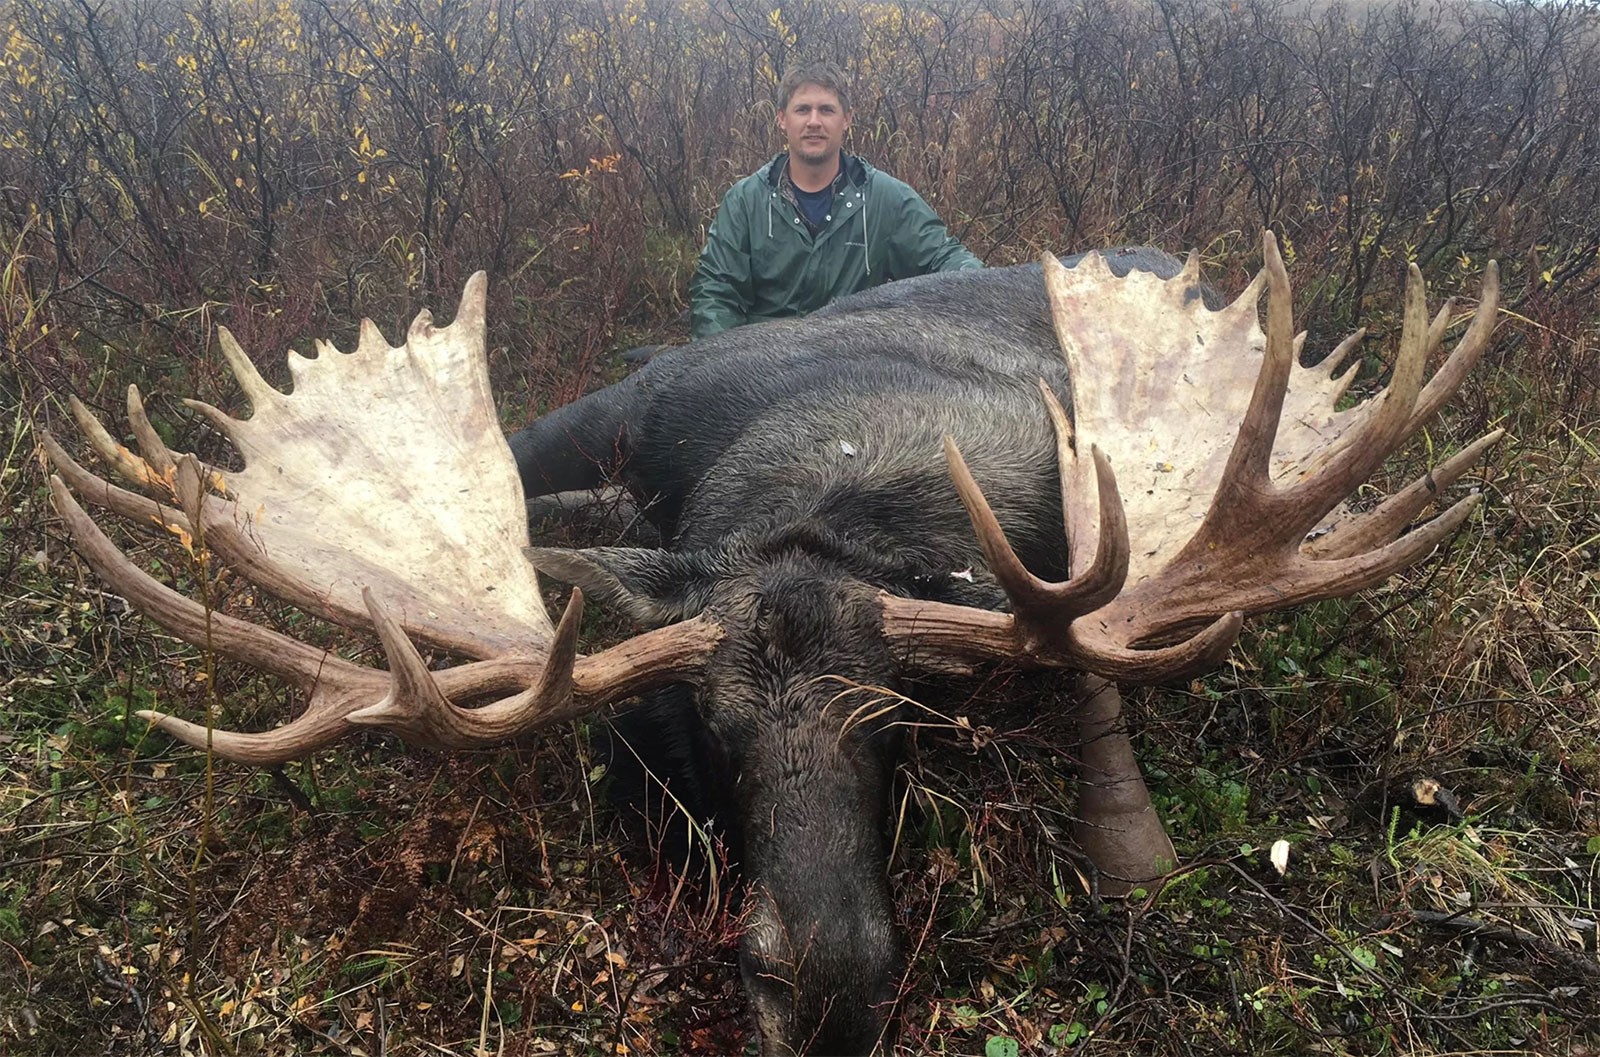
1427 749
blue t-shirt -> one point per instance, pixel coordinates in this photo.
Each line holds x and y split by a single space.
815 205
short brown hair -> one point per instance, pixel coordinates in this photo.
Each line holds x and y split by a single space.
822 74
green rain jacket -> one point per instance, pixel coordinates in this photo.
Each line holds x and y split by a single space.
762 262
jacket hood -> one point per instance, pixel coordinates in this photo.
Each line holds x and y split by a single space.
856 171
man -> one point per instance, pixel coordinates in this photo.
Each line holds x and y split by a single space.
814 223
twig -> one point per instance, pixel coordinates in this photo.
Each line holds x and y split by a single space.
293 793
659 970
1512 934
1122 981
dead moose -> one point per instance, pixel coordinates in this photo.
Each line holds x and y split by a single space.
802 473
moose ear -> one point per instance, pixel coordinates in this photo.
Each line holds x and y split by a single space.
654 587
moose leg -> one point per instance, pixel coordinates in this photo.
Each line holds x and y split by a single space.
1117 825
578 446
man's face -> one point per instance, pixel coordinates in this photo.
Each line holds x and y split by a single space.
814 124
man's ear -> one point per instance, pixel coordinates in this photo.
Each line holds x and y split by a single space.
654 587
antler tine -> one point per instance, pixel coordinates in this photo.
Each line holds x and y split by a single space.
1340 383
1336 359
1468 351
1108 565
110 450
254 387
135 506
1246 477
417 710
1043 608
1101 654
162 458
1337 577
1190 274
225 423
1363 532
324 722
154 449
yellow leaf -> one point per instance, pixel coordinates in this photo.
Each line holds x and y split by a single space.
185 540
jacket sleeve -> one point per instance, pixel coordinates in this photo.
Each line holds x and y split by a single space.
721 293
927 245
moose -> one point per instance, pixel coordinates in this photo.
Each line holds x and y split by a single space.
1100 468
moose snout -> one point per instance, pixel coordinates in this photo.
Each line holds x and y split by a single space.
820 983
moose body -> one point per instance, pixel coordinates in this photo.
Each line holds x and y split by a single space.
676 430
797 469
815 480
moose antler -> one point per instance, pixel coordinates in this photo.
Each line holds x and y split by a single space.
1206 519
380 495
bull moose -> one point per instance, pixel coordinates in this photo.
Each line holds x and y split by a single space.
1190 473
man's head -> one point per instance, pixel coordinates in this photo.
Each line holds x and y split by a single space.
814 112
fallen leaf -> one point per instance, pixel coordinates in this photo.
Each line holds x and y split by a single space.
1280 856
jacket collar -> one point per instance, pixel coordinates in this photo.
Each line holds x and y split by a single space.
850 166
